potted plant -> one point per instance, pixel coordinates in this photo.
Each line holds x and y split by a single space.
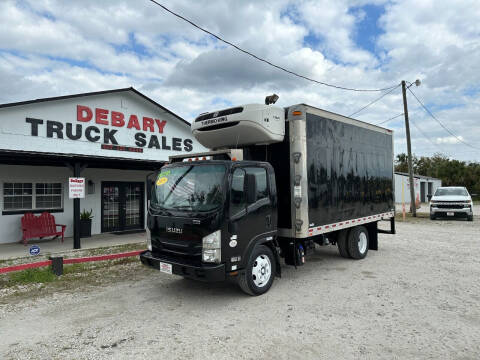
86 223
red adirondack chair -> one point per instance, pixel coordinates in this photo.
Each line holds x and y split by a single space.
40 227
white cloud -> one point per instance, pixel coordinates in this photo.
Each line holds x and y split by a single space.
449 140
91 45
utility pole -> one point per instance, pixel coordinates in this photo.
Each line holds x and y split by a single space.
409 150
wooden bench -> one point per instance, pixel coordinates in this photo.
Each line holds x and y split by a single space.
40 226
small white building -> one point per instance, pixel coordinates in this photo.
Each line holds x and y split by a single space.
113 139
424 186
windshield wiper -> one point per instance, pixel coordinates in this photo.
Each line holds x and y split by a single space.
183 207
159 208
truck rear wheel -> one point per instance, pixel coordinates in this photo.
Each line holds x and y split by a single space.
358 242
259 273
342 243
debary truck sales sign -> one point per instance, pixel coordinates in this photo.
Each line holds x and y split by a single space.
122 125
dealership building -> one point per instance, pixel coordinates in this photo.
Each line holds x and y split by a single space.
112 139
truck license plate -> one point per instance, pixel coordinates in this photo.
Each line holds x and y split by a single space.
450 214
166 268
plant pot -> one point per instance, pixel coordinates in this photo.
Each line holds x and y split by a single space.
85 228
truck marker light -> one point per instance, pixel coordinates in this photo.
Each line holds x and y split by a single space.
296 113
334 225
234 158
235 273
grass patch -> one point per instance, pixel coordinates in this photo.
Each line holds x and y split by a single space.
45 275
28 276
114 249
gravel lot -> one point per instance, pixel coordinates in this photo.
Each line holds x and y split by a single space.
418 297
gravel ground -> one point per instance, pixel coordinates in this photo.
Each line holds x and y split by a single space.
416 298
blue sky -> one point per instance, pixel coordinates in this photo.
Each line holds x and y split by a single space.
51 48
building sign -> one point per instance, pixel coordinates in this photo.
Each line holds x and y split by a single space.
76 188
96 125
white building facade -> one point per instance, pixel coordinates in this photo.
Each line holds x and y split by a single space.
424 186
113 139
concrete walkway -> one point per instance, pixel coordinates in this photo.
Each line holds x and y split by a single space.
15 250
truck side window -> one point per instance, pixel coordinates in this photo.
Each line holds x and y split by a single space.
238 201
261 179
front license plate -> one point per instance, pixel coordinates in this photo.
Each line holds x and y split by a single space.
166 268
450 214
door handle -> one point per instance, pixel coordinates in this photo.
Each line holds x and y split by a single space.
269 220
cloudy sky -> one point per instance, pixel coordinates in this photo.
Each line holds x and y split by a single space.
52 48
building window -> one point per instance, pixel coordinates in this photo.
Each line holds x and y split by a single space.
17 196
48 195
28 196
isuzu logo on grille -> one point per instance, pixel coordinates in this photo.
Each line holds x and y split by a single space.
174 230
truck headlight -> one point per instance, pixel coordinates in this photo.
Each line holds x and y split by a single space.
211 247
149 238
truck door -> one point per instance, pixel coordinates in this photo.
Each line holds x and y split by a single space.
249 218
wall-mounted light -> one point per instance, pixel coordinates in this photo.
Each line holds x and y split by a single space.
91 187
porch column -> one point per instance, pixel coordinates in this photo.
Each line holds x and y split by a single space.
77 169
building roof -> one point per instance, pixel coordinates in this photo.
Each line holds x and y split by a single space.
417 176
131 89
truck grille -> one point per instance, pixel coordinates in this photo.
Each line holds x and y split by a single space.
450 206
182 247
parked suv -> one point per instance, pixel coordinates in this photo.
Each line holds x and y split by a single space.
451 202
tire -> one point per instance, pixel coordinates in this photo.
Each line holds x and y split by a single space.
259 272
470 217
358 242
342 244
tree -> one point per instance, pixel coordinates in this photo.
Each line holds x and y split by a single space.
452 172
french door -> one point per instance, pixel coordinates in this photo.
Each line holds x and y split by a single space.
122 206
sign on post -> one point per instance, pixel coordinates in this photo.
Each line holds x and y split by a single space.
76 188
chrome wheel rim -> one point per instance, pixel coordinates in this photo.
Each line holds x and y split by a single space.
261 270
362 242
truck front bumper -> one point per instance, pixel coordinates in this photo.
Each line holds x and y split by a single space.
443 212
184 267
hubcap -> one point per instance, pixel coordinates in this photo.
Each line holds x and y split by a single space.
261 270
362 242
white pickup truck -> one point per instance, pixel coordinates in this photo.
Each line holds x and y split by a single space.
451 202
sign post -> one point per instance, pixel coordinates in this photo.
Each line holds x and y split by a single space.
76 191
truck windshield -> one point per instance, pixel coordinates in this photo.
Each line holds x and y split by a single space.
189 187
451 191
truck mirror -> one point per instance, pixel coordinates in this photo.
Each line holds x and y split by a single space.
429 197
251 188
150 180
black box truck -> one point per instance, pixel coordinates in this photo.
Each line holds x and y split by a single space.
277 182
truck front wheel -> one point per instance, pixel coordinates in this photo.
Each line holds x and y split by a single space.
259 273
358 242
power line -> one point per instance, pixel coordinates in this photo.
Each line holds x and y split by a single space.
426 137
384 121
441 124
374 101
264 60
